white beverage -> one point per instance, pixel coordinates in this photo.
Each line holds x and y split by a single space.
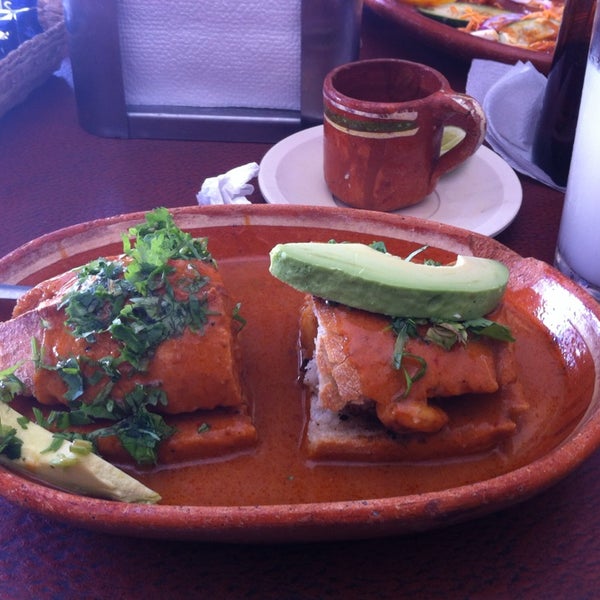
578 251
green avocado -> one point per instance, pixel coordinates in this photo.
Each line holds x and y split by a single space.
362 277
71 467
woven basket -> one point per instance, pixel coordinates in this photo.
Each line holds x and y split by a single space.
29 65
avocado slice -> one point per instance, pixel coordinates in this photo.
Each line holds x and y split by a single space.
362 277
71 467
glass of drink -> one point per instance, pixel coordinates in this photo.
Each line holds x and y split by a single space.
578 249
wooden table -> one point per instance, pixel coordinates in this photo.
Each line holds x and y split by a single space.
53 174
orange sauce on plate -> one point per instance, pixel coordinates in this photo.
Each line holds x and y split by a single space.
276 471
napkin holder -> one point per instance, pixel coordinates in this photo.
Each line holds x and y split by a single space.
329 35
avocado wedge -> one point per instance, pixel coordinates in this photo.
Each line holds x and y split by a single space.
362 277
71 467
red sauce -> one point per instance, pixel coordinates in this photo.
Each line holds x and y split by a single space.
276 471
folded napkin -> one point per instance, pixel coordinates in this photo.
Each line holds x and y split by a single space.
229 188
213 53
511 97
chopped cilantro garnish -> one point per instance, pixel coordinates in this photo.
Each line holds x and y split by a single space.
237 316
139 430
97 299
443 333
379 246
204 428
158 240
10 444
71 374
10 384
55 444
140 304
405 329
82 447
134 300
488 328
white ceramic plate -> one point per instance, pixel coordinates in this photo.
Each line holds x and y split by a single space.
483 194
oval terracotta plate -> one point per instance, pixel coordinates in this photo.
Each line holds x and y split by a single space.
409 19
566 421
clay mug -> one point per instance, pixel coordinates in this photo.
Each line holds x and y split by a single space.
383 126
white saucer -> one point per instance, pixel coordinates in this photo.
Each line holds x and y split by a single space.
483 194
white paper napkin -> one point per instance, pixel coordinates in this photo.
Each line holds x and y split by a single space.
511 97
229 188
211 53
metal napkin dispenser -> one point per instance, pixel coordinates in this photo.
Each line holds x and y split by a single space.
206 70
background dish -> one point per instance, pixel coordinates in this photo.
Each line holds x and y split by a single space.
483 194
408 19
551 301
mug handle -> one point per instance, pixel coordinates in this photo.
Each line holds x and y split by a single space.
464 112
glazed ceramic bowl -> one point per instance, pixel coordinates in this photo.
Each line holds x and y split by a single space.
550 303
408 19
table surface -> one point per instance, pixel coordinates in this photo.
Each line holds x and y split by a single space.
54 174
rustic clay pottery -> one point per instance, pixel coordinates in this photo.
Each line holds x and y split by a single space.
549 304
383 126
409 22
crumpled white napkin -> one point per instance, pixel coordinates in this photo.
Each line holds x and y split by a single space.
229 188
511 97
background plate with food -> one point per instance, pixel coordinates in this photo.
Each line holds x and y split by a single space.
273 492
513 30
